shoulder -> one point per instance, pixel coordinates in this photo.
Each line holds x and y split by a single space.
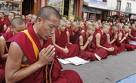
15 49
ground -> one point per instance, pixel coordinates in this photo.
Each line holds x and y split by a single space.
109 70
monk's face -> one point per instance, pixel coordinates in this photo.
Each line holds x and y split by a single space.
11 16
1 15
47 27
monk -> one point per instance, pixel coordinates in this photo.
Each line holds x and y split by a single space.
3 22
114 39
133 30
125 39
29 61
85 40
74 33
28 20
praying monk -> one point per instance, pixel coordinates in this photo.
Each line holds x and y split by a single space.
85 40
29 60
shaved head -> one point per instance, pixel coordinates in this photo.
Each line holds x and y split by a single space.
18 24
46 11
17 21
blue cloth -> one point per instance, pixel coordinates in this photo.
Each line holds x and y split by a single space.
129 79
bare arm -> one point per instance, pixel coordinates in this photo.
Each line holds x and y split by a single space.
68 35
65 50
126 35
13 64
108 38
120 35
2 47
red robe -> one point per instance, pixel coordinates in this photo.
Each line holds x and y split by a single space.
57 76
62 41
8 35
133 32
88 53
3 22
74 35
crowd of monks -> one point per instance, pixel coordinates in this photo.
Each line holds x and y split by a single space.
90 40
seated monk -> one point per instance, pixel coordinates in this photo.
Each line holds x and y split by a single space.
75 33
85 40
8 20
29 61
125 39
61 40
133 30
114 39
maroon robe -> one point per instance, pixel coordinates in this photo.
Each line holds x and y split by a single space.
133 32
62 41
57 76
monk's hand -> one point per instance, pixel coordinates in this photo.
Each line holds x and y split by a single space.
46 55
111 49
90 38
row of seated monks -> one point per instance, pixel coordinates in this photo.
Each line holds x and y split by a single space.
90 40
93 40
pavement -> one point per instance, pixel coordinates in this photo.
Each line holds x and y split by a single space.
109 70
